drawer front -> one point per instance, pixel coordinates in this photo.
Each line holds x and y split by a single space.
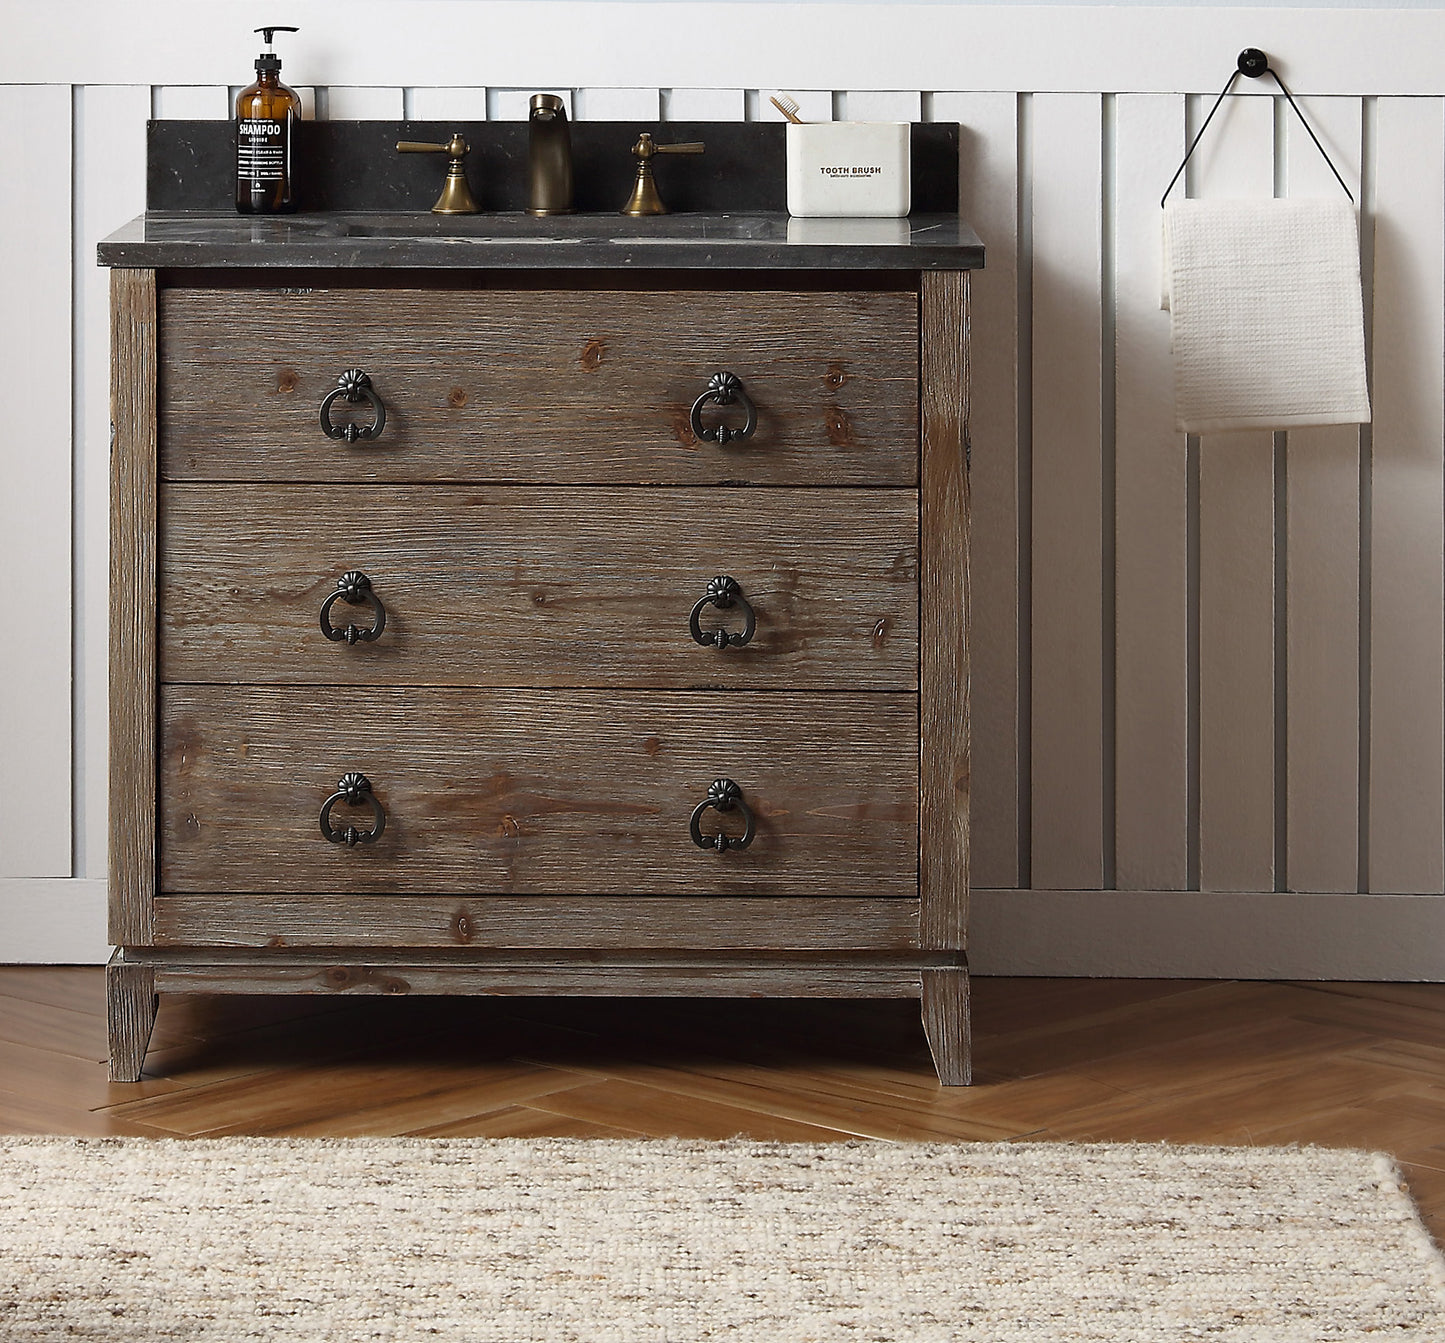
539 385
530 792
530 586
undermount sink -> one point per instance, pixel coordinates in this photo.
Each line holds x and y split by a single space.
555 230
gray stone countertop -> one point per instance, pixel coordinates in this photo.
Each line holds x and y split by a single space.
195 239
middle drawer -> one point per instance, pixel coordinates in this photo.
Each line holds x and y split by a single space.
539 587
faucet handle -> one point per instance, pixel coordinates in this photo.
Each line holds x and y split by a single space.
646 147
456 147
644 199
456 197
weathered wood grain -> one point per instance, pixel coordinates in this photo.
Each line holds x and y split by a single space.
944 660
944 995
540 386
989 200
130 1000
537 792
518 585
810 979
132 605
537 922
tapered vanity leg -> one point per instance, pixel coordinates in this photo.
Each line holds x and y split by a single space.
130 1003
945 1022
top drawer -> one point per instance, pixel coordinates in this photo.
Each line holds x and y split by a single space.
539 386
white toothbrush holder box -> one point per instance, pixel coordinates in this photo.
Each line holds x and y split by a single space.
856 168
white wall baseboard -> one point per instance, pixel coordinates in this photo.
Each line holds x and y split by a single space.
52 921
1207 935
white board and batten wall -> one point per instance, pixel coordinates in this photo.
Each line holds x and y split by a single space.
1209 673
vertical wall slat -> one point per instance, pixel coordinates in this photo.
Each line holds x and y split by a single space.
1068 691
989 190
1323 584
1236 577
1407 533
35 501
1151 521
110 148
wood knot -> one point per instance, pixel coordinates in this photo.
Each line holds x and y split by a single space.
592 354
286 380
275 941
652 746
835 377
880 631
461 926
839 427
395 986
509 828
457 398
682 429
539 598
339 977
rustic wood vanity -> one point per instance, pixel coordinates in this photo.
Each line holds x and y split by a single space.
515 606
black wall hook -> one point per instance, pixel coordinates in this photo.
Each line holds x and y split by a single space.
1255 64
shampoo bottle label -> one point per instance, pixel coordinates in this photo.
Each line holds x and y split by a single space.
262 149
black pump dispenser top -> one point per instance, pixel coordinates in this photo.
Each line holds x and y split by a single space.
268 59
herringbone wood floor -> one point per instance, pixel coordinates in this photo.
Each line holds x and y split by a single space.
1358 1065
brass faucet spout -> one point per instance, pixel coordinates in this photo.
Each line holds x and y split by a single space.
549 157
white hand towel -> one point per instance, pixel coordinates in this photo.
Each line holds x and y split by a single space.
1265 314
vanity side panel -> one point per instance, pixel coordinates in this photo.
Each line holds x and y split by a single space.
132 606
943 647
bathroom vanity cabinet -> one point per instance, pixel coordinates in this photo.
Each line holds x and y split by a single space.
514 682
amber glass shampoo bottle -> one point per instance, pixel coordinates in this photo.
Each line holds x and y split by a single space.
266 114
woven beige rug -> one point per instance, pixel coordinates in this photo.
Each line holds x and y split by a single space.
626 1242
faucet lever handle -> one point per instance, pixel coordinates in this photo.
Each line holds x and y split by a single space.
684 147
456 197
456 147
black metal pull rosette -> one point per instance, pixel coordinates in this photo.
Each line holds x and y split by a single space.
353 588
723 796
354 789
355 387
723 389
724 593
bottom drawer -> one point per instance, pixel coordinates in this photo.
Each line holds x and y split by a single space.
535 792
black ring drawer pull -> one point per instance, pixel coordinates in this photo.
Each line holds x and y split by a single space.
353 588
724 593
723 795
355 386
726 389
354 789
